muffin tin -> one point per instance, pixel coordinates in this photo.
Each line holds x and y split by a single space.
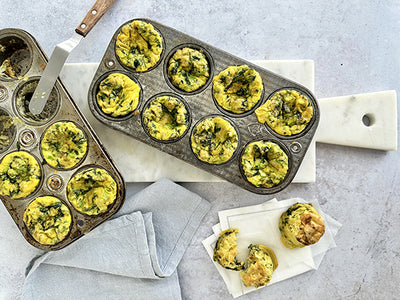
202 104
25 134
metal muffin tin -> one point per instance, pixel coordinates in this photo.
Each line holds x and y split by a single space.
27 137
202 104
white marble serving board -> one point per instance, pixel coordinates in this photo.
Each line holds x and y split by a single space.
340 123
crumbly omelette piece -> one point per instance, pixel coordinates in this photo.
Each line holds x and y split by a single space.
264 164
214 140
225 251
118 95
287 112
261 263
301 225
92 191
64 145
139 46
48 220
166 118
188 69
20 175
237 88
6 130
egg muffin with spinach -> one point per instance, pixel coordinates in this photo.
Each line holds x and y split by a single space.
92 191
237 89
225 250
20 175
166 118
287 112
139 46
63 145
264 163
188 69
214 140
301 225
48 220
118 95
261 264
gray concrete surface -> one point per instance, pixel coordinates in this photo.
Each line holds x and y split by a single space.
355 46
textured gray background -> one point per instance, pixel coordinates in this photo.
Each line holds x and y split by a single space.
355 46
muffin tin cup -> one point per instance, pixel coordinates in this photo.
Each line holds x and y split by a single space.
147 104
281 185
28 136
19 109
210 65
237 133
130 69
202 104
80 161
10 133
96 90
19 50
308 126
33 241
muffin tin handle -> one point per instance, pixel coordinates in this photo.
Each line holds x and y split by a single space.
93 16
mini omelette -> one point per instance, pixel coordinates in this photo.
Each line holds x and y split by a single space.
63 145
214 140
301 225
237 88
261 263
287 112
118 95
264 164
48 220
92 191
139 46
20 175
225 250
166 118
188 69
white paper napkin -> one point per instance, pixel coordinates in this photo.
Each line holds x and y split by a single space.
258 224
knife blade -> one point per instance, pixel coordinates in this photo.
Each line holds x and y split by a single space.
61 53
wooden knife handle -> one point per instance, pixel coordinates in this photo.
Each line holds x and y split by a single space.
93 15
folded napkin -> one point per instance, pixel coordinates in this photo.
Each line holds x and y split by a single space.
258 224
132 256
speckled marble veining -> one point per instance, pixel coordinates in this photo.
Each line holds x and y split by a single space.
354 45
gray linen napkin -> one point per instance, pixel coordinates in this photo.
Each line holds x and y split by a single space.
132 256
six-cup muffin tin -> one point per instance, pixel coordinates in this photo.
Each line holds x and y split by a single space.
29 60
202 104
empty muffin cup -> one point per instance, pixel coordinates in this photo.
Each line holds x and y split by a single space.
15 57
7 130
23 97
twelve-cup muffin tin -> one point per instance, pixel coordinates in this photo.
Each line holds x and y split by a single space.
202 104
25 134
